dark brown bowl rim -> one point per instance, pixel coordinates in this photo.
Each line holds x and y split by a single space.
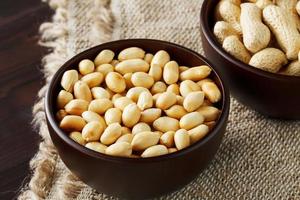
216 45
217 129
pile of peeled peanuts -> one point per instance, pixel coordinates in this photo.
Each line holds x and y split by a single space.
138 104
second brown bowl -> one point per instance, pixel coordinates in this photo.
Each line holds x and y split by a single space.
271 94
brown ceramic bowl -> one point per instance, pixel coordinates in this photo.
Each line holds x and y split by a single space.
136 178
271 94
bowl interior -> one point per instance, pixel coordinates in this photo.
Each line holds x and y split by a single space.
207 24
181 54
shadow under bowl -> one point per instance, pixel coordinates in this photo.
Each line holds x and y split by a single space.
271 94
137 178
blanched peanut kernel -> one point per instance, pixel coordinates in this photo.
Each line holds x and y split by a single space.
165 100
115 82
140 127
111 134
96 146
181 139
92 131
86 66
131 115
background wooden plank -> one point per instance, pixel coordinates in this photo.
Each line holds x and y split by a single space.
20 80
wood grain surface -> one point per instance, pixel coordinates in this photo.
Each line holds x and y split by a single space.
20 80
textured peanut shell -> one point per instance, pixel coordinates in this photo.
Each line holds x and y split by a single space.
269 59
286 33
236 48
256 35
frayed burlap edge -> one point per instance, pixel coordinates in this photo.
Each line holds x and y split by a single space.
54 35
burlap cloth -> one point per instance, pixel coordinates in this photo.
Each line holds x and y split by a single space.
259 157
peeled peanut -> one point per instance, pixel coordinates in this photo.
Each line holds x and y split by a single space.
72 123
200 83
167 139
114 62
100 106
210 124
172 150
131 53
122 149
113 115
132 65
82 91
183 68
176 111
104 57
100 93
209 113
188 86
63 98
76 106
115 82
156 72
173 88
92 131
96 146
166 100
125 138
122 102
181 139
142 79
156 150
171 72
159 133
165 124
158 87
191 120
195 73
105 69
211 92
93 79
115 97
77 137
150 115
140 127
206 102
111 93
128 82
143 140
148 57
90 116
198 133
68 80
125 130
193 101
86 66
61 114
145 100
160 58
131 115
111 134
134 93
155 97
179 100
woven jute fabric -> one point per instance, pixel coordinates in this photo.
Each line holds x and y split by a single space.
259 158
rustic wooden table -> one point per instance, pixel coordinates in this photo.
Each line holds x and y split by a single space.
20 80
